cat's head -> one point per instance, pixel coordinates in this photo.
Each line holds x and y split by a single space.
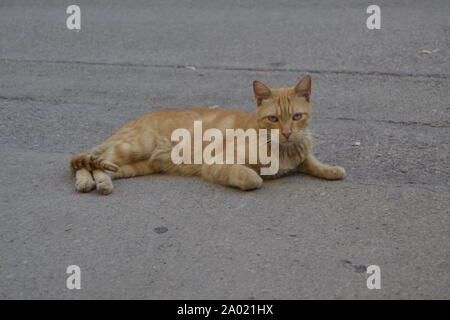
285 109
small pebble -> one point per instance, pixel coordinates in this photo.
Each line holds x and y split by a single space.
161 229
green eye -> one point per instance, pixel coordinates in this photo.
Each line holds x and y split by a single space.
297 116
272 118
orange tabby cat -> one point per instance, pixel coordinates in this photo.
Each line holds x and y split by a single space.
143 146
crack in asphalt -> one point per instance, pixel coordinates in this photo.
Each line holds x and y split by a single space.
236 68
441 124
444 123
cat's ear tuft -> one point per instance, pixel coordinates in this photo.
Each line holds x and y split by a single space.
303 88
261 91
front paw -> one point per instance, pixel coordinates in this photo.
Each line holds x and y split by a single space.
336 173
245 178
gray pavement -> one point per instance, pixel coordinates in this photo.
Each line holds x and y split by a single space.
298 237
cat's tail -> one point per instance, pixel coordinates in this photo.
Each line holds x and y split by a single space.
91 160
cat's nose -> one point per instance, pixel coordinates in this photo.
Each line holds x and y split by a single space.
286 134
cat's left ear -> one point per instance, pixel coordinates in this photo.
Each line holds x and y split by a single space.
303 88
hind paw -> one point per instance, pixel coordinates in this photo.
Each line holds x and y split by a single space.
103 182
84 184
104 187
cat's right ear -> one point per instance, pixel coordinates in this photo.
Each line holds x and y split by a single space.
261 91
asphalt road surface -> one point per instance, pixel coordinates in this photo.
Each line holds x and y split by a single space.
381 110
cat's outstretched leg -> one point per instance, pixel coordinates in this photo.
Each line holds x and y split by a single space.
234 175
314 167
84 182
126 146
123 153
